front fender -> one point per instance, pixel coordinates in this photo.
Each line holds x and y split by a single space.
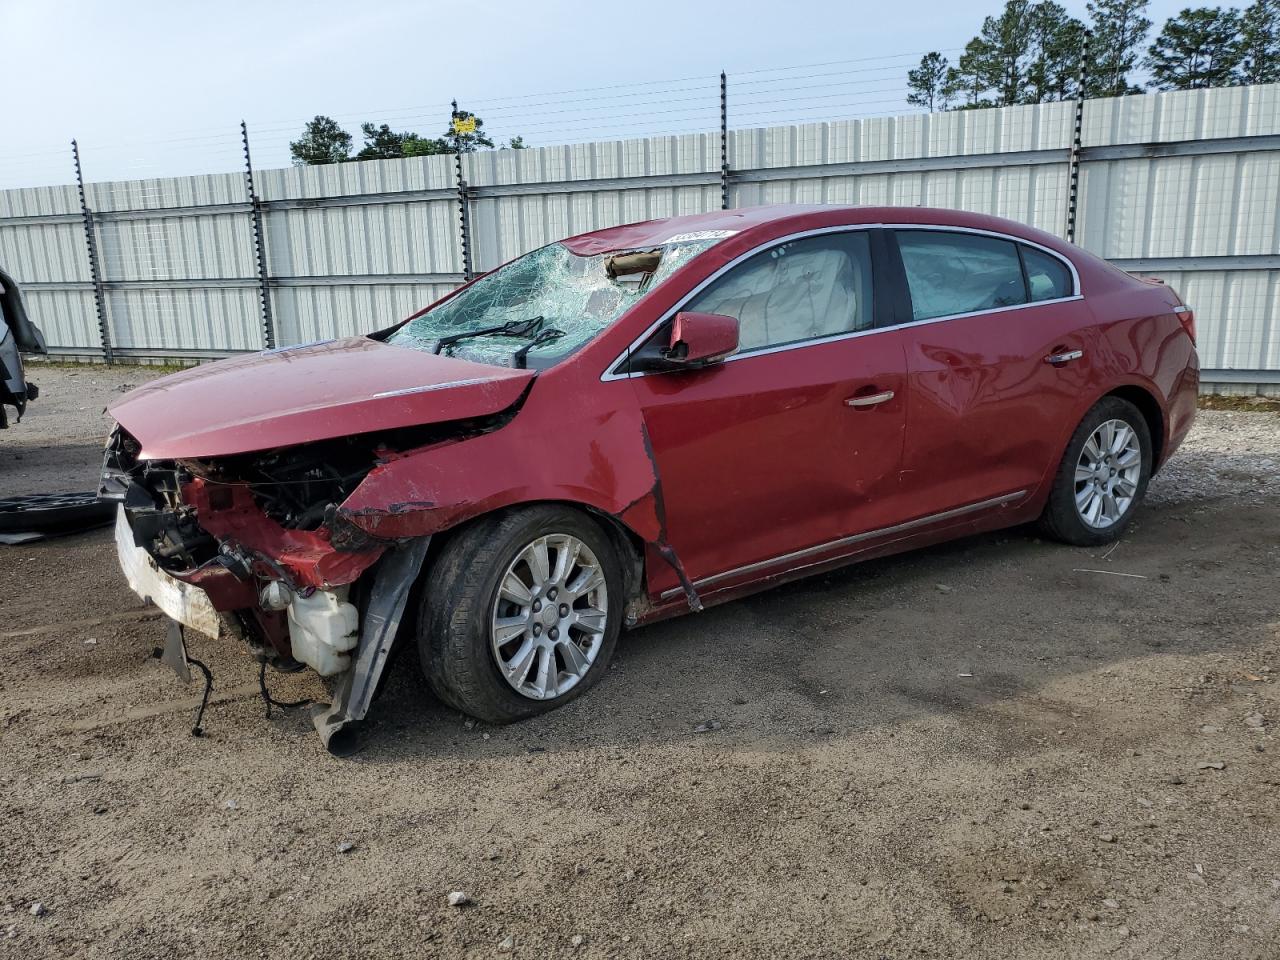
599 460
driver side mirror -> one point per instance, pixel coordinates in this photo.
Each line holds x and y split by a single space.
698 339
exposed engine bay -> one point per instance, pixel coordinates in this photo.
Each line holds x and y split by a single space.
263 534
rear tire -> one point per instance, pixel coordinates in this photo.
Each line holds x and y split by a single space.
1102 477
485 649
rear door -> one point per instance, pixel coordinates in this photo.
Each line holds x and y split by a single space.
998 355
797 439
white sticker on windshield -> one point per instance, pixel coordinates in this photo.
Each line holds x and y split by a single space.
700 235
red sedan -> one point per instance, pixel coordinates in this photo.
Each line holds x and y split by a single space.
639 422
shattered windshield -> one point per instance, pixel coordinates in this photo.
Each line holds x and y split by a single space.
542 307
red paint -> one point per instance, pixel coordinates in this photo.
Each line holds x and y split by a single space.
702 337
308 393
733 464
307 555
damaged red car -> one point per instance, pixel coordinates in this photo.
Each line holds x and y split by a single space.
639 422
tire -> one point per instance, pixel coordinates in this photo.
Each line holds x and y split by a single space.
1063 518
468 585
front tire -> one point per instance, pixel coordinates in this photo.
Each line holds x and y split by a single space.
520 613
1103 476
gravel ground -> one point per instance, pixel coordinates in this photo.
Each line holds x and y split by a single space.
982 750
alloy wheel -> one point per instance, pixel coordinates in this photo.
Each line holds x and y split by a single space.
1107 474
549 617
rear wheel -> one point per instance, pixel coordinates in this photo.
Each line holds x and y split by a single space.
1103 475
520 613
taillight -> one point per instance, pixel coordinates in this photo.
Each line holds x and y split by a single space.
1188 318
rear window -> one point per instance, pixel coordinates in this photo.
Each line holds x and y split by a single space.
1047 277
951 273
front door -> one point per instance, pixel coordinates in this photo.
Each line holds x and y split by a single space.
796 440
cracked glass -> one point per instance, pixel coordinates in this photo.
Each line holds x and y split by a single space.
573 295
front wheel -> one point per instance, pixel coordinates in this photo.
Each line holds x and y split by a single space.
1103 475
521 613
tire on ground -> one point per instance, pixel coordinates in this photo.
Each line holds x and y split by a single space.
1060 519
458 598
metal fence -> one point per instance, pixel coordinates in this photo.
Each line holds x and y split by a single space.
1184 186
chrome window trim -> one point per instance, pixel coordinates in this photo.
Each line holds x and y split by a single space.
611 371
808 552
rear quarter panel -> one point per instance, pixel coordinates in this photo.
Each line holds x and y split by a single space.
1137 340
1142 342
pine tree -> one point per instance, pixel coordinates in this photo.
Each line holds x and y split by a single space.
1119 30
1057 42
928 83
1197 48
1260 42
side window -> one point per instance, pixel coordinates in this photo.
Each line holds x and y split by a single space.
808 288
1047 277
950 273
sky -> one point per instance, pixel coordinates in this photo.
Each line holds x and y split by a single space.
159 88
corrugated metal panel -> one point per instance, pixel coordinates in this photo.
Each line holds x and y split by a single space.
192 319
1237 316
207 189
175 248
39 201
373 239
48 252
1183 115
304 314
67 318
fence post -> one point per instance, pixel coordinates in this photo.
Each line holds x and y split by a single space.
99 296
464 214
724 141
259 246
1073 158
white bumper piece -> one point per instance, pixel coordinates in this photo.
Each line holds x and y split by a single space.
189 605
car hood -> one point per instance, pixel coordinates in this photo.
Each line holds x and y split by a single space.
307 393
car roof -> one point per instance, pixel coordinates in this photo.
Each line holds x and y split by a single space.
779 219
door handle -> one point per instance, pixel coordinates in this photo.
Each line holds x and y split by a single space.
1065 357
871 400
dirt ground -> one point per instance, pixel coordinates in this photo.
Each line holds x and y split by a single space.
984 750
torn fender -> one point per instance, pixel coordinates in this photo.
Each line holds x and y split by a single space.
599 461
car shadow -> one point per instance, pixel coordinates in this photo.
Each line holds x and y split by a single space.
958 629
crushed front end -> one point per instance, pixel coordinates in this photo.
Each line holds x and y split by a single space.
258 534
254 546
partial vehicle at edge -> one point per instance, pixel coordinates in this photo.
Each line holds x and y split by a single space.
18 335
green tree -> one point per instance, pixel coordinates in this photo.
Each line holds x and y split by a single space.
383 143
462 140
1260 42
1057 43
965 79
1028 54
516 143
322 141
1119 31
928 83
1198 48
416 146
1001 53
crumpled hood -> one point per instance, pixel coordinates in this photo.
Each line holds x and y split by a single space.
303 394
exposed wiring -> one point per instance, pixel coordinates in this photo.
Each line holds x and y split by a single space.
269 700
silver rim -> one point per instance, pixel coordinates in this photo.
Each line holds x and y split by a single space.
1107 474
549 617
